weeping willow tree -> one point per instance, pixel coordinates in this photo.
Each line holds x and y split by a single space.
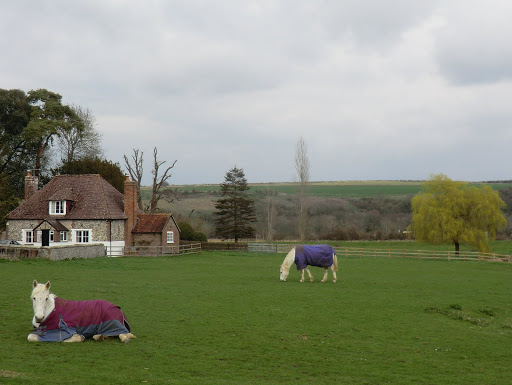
447 211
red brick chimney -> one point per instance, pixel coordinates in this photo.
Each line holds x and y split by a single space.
130 209
31 185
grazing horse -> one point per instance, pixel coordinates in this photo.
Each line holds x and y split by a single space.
304 256
58 320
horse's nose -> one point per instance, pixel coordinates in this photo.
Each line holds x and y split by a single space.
39 319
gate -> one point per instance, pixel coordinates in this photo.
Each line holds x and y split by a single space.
262 248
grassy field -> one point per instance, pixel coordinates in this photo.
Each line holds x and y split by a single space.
342 189
222 318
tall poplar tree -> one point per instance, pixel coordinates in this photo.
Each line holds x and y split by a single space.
302 168
235 210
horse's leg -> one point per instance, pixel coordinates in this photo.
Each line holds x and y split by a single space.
326 270
333 274
75 338
302 275
99 337
125 338
32 337
309 273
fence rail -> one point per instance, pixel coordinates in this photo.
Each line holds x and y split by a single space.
422 254
366 252
155 251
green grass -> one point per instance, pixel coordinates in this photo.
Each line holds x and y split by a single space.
341 189
224 318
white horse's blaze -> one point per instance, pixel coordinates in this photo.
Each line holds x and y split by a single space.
290 259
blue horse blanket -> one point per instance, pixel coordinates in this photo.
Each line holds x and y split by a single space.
87 318
316 255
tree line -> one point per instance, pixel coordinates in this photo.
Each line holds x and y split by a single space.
41 134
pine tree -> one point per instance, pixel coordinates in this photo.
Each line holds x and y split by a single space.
235 210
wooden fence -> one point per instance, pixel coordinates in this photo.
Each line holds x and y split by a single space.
361 252
344 252
224 246
154 251
355 252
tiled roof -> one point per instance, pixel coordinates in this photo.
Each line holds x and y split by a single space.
150 223
88 197
53 223
63 195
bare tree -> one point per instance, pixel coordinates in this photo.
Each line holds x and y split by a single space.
80 141
302 168
135 169
270 196
158 181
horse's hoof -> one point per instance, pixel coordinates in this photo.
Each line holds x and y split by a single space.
125 338
75 338
32 337
99 337
333 281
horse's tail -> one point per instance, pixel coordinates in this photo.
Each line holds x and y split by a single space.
334 262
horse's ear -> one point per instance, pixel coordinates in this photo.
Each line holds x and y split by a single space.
47 286
34 284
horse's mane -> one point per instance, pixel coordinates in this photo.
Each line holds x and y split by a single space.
289 259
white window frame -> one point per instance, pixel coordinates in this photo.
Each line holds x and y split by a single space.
170 237
63 236
52 236
29 236
57 207
80 234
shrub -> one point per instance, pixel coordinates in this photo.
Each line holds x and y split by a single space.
199 237
186 231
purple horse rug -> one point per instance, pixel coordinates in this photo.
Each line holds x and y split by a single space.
87 318
316 255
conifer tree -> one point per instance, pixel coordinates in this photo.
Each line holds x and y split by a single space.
235 210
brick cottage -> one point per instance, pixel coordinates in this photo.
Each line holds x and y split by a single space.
81 209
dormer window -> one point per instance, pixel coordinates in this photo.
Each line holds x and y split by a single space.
57 207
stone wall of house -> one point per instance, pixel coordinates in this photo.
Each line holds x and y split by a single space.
101 230
14 227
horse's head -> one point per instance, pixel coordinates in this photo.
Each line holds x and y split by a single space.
40 300
283 273
285 266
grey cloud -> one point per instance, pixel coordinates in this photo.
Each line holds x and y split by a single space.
473 46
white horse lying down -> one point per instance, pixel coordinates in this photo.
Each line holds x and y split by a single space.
304 256
58 320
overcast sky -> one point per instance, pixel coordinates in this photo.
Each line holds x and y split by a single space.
378 90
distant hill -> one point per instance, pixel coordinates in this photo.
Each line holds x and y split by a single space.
336 189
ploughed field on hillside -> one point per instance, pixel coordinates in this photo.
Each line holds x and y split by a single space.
345 210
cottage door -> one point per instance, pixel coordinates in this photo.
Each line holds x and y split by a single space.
45 241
